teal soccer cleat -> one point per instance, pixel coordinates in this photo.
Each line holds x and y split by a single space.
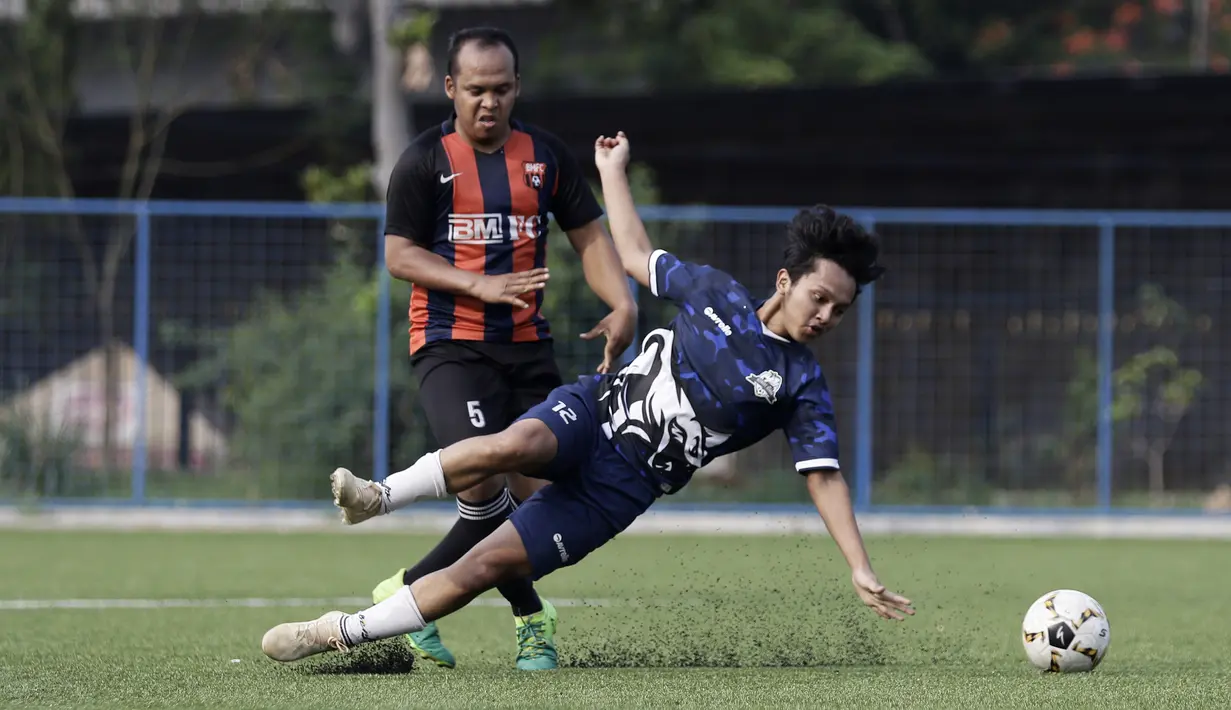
536 633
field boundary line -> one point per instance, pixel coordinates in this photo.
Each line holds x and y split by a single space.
690 522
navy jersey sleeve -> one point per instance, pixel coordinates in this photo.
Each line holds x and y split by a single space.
411 196
812 430
572 201
679 281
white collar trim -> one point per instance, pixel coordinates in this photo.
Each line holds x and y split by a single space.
765 329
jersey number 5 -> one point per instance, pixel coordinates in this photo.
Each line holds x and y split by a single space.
476 414
568 415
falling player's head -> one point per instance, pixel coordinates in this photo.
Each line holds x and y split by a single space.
483 82
828 259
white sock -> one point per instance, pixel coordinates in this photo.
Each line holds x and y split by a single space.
424 479
397 615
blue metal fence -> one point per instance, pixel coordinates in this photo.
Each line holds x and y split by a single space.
741 228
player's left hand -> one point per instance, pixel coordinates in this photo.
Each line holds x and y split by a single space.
619 327
882 601
611 152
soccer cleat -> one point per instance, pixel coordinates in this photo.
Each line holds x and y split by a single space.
293 641
536 647
426 643
358 499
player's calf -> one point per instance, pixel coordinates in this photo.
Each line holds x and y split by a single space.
499 558
526 446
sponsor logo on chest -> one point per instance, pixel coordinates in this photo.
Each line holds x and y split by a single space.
718 321
492 228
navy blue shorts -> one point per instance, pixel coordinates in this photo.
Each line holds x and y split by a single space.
595 493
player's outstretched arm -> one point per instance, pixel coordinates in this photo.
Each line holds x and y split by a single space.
627 230
832 498
605 275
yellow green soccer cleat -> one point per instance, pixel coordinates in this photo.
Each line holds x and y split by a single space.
426 643
536 648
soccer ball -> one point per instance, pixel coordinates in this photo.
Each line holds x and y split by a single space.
1066 631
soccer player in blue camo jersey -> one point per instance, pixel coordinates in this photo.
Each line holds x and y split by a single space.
730 370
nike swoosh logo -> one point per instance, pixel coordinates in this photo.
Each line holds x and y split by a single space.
444 180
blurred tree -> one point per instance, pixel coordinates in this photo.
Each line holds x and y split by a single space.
1152 390
37 87
638 44
41 52
298 411
961 37
283 431
1133 36
965 37
400 62
41 56
1154 393
698 43
355 239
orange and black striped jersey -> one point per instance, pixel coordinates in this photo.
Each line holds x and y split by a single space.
486 213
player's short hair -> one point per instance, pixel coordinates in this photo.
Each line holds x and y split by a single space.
485 37
821 233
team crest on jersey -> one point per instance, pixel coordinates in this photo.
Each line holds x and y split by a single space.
766 385
535 173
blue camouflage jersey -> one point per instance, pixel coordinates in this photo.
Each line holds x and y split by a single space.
714 382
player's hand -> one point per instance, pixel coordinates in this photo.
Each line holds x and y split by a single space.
619 326
611 152
882 601
506 288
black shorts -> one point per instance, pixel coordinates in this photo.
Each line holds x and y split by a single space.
474 388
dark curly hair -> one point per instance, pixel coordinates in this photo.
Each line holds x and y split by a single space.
821 233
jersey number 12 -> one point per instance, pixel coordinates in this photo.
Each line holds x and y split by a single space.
568 415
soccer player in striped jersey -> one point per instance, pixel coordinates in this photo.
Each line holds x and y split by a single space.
467 224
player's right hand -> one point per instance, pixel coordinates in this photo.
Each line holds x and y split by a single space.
506 288
611 152
882 601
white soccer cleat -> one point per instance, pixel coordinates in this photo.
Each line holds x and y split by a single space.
358 498
293 641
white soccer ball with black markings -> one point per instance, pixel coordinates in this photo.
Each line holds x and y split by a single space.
1066 631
